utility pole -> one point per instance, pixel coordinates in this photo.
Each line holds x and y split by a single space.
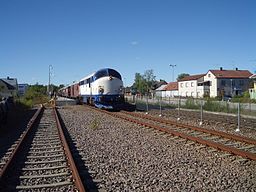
49 83
171 65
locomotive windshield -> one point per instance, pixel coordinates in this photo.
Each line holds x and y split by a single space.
113 73
107 72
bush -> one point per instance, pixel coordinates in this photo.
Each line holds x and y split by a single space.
215 106
190 104
245 98
25 104
36 94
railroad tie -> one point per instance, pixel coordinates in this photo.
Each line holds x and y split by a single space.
44 176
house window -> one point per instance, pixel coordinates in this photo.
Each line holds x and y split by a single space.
181 85
232 82
223 82
209 75
186 84
192 84
241 82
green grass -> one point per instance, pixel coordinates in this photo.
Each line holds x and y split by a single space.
95 124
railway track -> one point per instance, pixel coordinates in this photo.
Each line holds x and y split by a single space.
231 144
229 121
41 159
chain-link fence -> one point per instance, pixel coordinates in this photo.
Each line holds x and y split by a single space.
145 103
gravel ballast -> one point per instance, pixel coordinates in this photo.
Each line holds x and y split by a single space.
122 156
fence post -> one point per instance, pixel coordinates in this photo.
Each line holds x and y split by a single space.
227 106
250 107
160 105
238 117
201 115
178 109
147 105
135 102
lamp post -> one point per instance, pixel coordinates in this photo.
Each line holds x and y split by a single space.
171 65
49 83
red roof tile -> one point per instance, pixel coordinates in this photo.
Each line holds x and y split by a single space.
171 86
192 77
239 74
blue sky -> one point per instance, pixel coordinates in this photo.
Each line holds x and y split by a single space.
78 37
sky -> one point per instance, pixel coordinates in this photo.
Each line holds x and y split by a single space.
77 37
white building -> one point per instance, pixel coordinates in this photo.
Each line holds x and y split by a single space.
188 86
252 91
22 88
227 82
160 91
171 90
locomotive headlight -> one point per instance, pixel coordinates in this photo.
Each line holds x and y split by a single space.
101 90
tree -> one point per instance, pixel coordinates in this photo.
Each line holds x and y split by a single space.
182 75
35 94
61 86
139 83
149 78
143 83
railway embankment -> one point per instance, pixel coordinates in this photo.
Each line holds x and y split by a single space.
123 156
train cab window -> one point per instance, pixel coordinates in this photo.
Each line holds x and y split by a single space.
100 73
114 73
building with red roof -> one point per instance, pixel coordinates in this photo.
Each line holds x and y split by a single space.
188 86
227 82
171 89
215 83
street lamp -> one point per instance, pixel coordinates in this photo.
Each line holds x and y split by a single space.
50 74
171 65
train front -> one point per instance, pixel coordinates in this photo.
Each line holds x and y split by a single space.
109 85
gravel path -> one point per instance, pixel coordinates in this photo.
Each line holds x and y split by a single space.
126 157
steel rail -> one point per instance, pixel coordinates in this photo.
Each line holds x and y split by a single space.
76 177
214 132
22 139
218 146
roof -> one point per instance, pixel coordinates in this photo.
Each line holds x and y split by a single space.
171 86
161 88
9 87
158 84
11 81
234 74
192 77
253 76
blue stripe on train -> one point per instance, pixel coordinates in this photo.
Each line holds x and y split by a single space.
102 98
